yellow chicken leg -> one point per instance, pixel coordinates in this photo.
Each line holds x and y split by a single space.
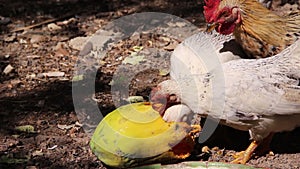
243 156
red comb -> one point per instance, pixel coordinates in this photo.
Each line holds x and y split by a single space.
209 9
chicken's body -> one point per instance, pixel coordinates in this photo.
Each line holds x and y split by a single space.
260 31
261 96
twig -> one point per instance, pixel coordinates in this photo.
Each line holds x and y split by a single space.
41 23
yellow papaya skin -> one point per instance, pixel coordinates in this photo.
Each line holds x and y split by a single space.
135 134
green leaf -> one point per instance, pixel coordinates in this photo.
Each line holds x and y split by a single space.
133 59
164 72
77 78
137 48
135 99
25 129
9 160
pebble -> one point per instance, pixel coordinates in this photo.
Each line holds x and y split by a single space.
30 76
10 38
66 22
22 41
33 56
78 42
37 38
54 74
40 75
8 69
53 27
4 20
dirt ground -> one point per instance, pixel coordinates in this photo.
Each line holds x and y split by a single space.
37 58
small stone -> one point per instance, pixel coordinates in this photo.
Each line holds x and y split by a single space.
35 45
4 20
135 99
33 56
15 82
10 38
64 79
53 27
78 42
36 153
61 49
31 76
60 45
40 75
65 127
37 38
22 41
66 22
54 74
8 69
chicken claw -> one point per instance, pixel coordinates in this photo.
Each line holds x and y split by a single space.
244 156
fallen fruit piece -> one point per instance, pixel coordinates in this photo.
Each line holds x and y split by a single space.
136 134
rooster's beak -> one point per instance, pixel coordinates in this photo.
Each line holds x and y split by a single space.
211 26
159 107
